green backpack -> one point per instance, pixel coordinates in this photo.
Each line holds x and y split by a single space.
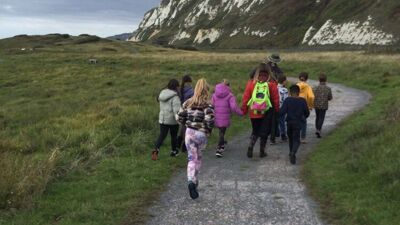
260 101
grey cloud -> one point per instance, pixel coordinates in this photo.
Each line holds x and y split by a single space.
78 9
114 15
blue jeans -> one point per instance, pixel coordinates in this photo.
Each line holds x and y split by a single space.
282 127
303 130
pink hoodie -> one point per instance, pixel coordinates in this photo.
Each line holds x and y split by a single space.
224 105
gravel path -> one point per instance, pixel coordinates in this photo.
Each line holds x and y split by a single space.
238 190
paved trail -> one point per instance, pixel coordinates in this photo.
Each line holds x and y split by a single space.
238 190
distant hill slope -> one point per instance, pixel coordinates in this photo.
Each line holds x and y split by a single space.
49 40
266 23
122 37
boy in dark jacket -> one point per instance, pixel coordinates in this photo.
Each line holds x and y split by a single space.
296 110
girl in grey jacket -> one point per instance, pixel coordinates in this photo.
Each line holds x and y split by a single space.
170 104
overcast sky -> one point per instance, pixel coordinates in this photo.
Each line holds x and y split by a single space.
100 17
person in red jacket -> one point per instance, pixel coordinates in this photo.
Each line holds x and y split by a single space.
261 121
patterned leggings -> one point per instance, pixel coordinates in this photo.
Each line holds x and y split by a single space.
195 142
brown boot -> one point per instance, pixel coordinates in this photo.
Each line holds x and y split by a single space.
253 140
263 144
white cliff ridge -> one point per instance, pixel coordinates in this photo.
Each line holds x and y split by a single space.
352 33
258 24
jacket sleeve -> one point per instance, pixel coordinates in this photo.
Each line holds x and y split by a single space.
234 106
283 110
310 98
274 96
181 117
330 95
209 118
306 110
176 104
246 96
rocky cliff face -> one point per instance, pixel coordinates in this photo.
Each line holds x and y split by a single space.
265 23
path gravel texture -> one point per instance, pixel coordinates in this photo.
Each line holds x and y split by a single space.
238 190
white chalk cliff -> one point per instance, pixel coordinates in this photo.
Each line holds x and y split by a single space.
258 23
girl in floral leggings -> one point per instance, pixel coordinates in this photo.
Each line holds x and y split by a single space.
198 116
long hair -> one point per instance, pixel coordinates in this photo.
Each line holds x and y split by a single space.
262 68
201 94
185 79
172 85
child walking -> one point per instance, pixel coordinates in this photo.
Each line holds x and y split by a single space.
323 94
186 93
296 110
198 115
169 106
283 94
306 92
262 99
224 103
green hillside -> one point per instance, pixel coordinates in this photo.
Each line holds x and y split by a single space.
75 137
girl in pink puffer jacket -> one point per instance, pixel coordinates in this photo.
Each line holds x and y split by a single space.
224 105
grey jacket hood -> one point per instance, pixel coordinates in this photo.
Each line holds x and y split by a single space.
166 95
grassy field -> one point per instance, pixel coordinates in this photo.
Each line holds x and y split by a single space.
75 138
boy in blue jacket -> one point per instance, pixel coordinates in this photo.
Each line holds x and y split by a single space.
296 110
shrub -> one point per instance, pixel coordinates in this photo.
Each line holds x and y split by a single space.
86 39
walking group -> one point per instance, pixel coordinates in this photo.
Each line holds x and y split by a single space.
275 111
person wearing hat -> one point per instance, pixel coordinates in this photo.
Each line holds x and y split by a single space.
273 60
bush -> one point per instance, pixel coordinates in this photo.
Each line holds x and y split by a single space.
86 39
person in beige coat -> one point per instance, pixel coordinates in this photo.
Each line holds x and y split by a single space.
170 104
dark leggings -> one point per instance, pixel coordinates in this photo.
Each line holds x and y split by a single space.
293 132
221 141
274 126
163 134
319 119
261 127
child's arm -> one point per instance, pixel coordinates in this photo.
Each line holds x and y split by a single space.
330 95
176 104
306 111
246 97
181 117
310 98
283 110
209 118
274 96
234 106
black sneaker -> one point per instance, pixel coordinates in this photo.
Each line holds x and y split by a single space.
249 152
174 153
263 154
318 134
293 159
193 190
219 154
273 142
